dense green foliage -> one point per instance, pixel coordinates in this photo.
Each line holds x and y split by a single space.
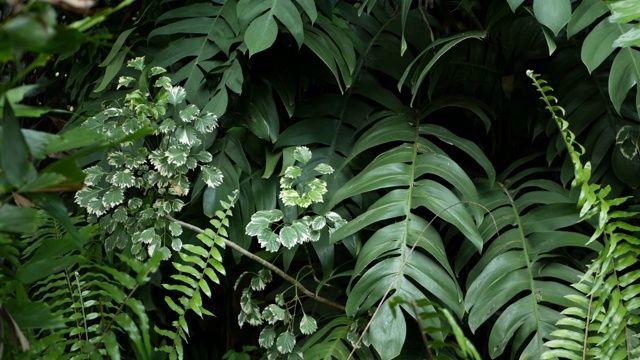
300 179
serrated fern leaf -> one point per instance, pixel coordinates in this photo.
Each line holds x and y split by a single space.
603 321
200 265
92 300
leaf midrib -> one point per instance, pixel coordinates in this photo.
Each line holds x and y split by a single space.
527 259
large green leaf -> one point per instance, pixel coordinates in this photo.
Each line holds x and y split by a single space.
15 219
261 34
261 116
32 315
446 205
259 18
554 14
374 282
465 145
597 45
394 127
334 47
385 241
390 169
14 153
388 331
585 14
212 29
514 4
624 11
625 74
386 260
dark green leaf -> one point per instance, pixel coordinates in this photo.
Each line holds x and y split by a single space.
388 332
32 315
16 165
15 219
554 14
26 32
288 14
111 345
625 73
585 14
40 269
261 33
598 45
112 70
514 4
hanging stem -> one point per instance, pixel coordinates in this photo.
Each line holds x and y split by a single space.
266 264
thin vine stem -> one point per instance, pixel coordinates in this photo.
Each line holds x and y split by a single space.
84 315
266 264
425 341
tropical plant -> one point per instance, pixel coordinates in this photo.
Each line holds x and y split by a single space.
36 166
92 302
597 106
198 266
153 172
329 179
520 276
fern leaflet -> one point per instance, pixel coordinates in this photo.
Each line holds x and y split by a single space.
200 263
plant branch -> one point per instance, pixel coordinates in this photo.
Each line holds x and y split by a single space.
84 315
266 264
422 334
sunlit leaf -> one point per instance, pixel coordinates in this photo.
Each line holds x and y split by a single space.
177 94
137 63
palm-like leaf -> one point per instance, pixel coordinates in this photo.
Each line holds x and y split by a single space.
209 31
517 278
386 261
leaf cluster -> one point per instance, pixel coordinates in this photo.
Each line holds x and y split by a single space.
119 189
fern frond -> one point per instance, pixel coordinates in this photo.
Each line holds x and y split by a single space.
606 318
200 264
94 307
435 339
